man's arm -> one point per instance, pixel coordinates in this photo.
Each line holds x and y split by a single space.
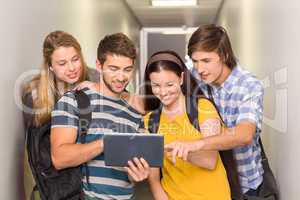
188 152
210 125
66 153
184 150
248 122
240 135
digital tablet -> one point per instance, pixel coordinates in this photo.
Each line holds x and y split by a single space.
119 148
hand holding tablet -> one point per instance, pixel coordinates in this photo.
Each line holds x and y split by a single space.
138 169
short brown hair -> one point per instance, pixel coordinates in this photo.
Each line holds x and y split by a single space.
212 38
118 44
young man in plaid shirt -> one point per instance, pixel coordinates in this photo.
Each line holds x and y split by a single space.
239 98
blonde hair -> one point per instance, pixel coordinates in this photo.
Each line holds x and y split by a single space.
45 83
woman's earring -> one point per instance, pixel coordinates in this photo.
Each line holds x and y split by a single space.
51 68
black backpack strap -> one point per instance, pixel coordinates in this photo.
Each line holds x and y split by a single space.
211 98
85 117
263 154
153 125
191 104
154 120
228 160
85 114
269 185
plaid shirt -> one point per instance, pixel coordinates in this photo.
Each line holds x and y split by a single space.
240 98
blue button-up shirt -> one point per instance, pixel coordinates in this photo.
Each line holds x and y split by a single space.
240 99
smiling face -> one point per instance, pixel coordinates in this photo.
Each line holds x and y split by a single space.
116 72
66 64
210 67
165 86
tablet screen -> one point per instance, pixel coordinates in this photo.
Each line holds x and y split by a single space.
119 148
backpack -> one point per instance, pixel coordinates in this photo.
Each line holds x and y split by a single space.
52 184
226 155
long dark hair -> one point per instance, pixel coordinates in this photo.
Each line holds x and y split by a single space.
171 61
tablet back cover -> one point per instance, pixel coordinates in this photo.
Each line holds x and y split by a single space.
119 148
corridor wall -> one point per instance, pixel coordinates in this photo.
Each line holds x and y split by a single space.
265 37
24 24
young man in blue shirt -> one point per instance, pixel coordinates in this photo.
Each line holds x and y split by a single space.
110 114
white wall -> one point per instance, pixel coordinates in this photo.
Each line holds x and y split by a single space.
265 36
24 24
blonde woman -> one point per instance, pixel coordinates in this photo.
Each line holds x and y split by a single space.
62 69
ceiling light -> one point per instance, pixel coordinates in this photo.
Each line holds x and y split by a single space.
173 3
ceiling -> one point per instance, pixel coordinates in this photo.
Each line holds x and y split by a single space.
148 16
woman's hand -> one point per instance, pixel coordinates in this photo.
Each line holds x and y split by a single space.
181 149
86 84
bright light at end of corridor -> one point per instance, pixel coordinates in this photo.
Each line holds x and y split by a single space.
173 3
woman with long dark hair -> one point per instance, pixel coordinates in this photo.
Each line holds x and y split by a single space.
198 175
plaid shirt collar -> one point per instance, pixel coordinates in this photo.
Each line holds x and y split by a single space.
228 84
